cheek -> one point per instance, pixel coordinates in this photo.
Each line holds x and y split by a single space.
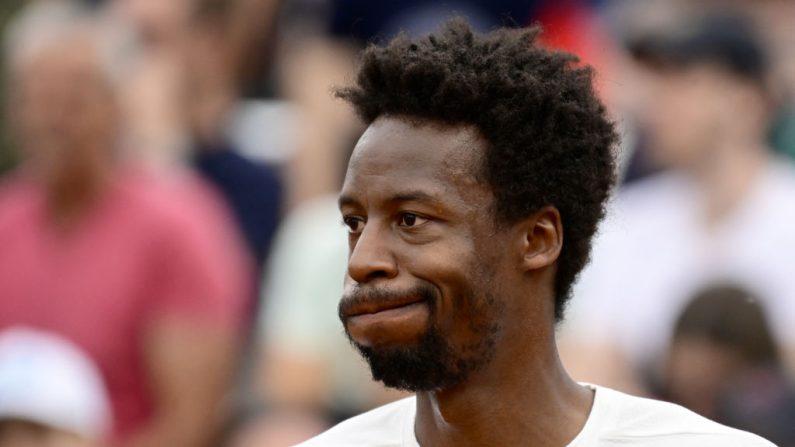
447 265
470 296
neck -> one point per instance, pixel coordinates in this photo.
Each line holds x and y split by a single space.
727 176
524 397
69 194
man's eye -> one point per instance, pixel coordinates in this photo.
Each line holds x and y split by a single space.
411 220
355 224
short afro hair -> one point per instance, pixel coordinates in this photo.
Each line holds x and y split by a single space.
550 141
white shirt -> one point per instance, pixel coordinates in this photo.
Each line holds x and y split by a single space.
616 420
654 252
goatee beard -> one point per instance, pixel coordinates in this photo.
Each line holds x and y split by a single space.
432 363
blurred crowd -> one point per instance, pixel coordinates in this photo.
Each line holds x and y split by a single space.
171 253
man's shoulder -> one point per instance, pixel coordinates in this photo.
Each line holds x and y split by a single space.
623 420
651 423
385 426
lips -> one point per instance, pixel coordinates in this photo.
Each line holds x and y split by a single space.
362 307
377 317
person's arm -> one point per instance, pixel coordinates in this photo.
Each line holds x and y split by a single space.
190 367
192 328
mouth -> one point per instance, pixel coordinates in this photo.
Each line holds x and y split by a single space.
387 322
374 308
386 315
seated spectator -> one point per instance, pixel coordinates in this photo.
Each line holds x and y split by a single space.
252 189
144 273
51 393
723 209
177 98
723 363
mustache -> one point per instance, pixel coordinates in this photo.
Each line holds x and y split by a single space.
378 295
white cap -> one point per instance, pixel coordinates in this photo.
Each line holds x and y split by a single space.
48 380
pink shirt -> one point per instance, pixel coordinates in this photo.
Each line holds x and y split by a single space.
145 250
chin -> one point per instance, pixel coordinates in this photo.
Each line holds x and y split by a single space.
428 365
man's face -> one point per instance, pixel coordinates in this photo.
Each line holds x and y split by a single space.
697 370
422 299
63 107
686 110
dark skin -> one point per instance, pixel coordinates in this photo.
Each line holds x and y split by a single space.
418 213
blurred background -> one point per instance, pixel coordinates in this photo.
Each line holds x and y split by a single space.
171 253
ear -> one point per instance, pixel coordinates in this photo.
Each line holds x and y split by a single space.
542 238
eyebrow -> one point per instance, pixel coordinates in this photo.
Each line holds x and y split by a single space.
407 196
413 196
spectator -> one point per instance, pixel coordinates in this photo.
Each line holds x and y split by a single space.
252 189
183 84
722 210
154 127
723 363
145 274
51 393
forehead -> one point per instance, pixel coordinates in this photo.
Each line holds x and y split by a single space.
397 154
74 52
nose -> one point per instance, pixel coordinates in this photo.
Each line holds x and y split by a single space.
371 257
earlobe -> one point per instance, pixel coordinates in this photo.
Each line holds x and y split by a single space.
543 239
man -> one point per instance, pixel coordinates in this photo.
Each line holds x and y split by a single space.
724 363
178 96
481 151
143 274
253 190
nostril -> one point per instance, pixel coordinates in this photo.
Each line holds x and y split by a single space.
377 274
363 273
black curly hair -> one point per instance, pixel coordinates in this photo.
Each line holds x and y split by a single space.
550 141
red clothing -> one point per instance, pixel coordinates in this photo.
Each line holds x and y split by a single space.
144 250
